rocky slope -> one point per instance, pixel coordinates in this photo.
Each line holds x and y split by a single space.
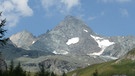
3 65
23 39
11 52
123 44
72 38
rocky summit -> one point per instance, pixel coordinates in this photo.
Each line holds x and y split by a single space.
71 36
72 40
23 39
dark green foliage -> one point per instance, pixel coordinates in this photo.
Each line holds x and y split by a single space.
19 71
95 73
11 67
2 31
44 72
52 74
14 71
64 74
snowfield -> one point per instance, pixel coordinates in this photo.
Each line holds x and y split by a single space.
73 41
33 42
102 43
61 52
85 30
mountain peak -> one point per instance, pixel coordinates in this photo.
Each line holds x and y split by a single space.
73 24
25 31
70 17
23 39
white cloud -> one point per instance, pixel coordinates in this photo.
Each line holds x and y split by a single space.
124 12
62 6
70 3
48 3
13 10
116 1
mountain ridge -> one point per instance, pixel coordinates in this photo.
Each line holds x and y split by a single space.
73 38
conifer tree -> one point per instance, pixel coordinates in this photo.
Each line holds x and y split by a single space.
19 71
2 30
52 74
64 74
2 42
11 68
95 73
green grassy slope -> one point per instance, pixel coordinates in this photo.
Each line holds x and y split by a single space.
120 67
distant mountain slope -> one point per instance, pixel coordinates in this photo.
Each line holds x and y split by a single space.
124 66
9 52
123 44
23 39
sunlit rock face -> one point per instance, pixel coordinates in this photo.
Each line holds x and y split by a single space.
23 39
71 36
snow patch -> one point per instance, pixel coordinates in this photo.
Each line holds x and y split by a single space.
73 41
25 55
61 52
85 30
111 57
33 42
102 43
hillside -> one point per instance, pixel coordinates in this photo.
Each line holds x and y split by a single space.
124 66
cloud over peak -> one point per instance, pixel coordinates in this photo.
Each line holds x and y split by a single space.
62 6
70 3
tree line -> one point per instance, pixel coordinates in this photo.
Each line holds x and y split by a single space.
13 70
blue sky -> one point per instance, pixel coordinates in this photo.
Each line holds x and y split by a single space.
105 17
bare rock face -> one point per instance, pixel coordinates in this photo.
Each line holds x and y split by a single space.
123 44
130 55
71 36
3 65
23 39
59 66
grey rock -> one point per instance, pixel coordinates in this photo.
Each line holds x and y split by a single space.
3 65
69 28
23 39
123 44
